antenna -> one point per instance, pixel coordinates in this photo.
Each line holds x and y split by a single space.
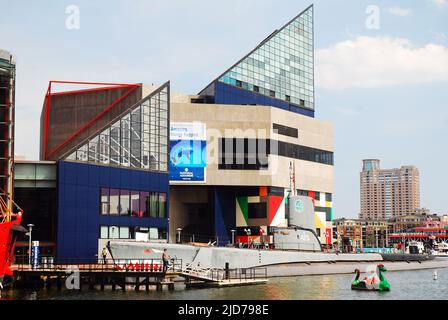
292 178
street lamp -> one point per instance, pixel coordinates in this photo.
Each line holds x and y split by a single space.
30 230
248 234
113 233
178 234
233 236
376 236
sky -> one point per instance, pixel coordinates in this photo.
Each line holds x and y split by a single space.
381 68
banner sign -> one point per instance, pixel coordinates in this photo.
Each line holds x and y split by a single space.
187 152
35 254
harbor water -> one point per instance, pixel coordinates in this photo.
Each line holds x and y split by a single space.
405 285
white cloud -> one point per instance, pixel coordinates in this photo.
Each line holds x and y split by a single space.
401 12
440 36
439 3
368 62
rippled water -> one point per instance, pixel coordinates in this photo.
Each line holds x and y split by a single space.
406 285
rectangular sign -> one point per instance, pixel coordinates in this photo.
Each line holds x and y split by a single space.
188 152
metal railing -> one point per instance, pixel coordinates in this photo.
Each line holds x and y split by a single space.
219 275
241 274
296 246
98 265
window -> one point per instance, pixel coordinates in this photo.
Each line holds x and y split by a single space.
256 89
287 98
272 93
257 210
144 200
114 232
234 157
104 233
114 201
125 203
162 205
124 232
285 130
104 201
135 204
138 204
243 154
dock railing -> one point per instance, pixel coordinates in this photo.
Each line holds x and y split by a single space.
289 246
241 274
97 265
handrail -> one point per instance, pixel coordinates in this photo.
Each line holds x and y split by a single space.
221 275
109 265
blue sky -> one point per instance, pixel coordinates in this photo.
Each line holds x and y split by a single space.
383 89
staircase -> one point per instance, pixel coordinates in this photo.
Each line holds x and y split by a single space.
192 271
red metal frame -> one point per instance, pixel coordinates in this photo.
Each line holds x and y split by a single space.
47 107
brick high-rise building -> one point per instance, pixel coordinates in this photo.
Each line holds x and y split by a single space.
387 193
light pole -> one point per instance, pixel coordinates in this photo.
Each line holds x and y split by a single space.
30 230
113 233
233 236
248 234
178 234
376 236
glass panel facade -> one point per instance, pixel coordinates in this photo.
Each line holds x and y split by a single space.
139 139
114 232
282 66
114 201
233 158
139 204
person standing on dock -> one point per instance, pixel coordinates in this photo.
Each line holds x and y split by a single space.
165 258
104 255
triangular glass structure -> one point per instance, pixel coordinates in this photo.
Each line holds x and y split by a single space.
282 66
138 138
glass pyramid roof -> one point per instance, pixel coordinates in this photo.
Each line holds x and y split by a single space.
137 139
282 66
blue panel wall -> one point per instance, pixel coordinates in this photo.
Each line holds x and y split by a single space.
79 218
225 209
224 214
226 94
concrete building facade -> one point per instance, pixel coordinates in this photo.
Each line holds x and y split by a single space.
387 193
260 144
232 185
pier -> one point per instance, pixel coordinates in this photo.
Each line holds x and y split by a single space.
125 274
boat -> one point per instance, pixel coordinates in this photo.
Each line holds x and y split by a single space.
415 247
373 282
440 249
295 243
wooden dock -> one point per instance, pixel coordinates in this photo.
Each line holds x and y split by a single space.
120 274
112 274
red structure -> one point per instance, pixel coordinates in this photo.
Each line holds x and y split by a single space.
114 93
10 213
